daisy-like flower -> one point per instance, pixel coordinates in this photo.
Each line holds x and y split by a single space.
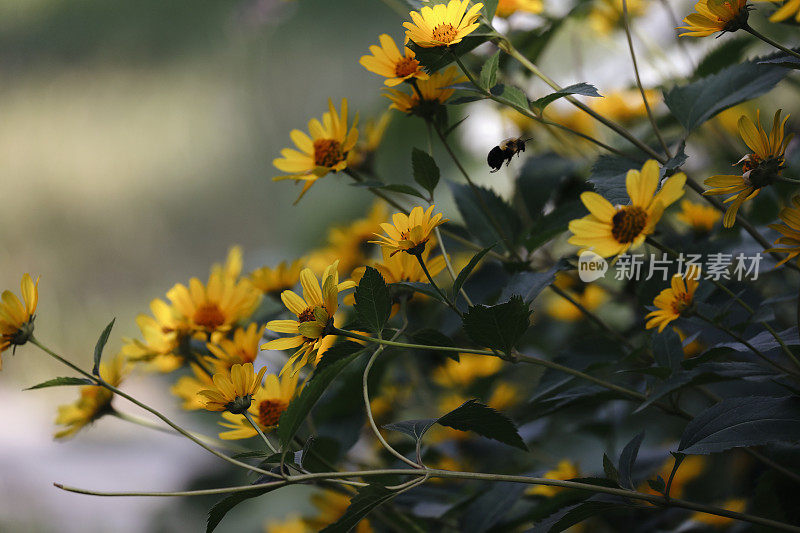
387 61
434 91
188 388
791 7
94 401
610 230
233 390
269 402
241 349
790 241
314 312
674 301
442 25
564 471
760 169
323 152
409 233
589 295
700 217
16 317
716 16
161 334
273 281
214 308
691 468
506 8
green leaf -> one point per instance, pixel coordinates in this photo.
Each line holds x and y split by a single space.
540 179
583 89
731 51
784 60
695 103
222 507
319 452
610 470
667 349
657 484
499 326
473 212
416 286
426 173
488 78
413 428
627 459
530 284
740 422
553 224
335 359
512 94
608 177
98 348
373 304
467 270
58 382
489 9
361 504
490 507
585 511
403 189
485 421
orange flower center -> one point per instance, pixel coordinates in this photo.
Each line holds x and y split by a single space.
307 315
628 223
751 163
444 33
406 67
327 152
209 315
682 302
269 412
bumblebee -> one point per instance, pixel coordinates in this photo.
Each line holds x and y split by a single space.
504 151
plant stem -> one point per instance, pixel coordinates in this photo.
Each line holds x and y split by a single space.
626 21
261 433
100 382
152 425
769 41
450 266
435 286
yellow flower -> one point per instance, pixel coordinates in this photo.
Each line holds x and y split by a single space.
504 396
624 106
589 295
760 168
273 281
506 8
242 348
331 506
565 470
387 61
314 312
161 334
325 151
16 318
94 401
691 349
434 92
791 232
233 389
791 7
737 505
442 25
610 230
188 388
214 308
700 217
233 264
269 403
361 156
409 233
674 301
691 467
606 15
715 15
292 524
467 369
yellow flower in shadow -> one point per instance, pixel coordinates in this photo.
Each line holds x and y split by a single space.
16 317
428 95
269 402
331 506
564 471
674 301
273 281
233 389
790 231
700 217
188 388
589 295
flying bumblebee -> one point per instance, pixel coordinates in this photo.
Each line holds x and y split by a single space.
504 151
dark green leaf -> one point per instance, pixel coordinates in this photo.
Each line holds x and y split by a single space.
784 60
730 52
335 359
657 484
540 178
57 382
413 428
431 337
765 341
583 89
98 348
489 9
485 421
488 509
467 270
373 304
319 453
426 172
361 504
488 77
452 128
627 459
554 224
417 286
740 422
610 470
667 349
584 511
530 284
608 177
222 507
256 453
499 326
675 162
403 189
695 103
511 94
473 210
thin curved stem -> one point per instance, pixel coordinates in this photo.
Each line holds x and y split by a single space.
249 418
449 265
769 41
435 286
169 431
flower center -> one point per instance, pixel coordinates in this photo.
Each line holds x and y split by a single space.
682 303
406 67
209 315
628 223
269 412
307 315
327 152
444 33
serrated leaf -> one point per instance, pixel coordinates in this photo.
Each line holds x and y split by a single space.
373 303
488 77
473 211
361 504
426 172
498 326
765 341
101 343
467 270
222 507
529 284
740 422
608 177
695 103
335 359
783 60
485 421
513 95
627 460
413 428
583 89
58 382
